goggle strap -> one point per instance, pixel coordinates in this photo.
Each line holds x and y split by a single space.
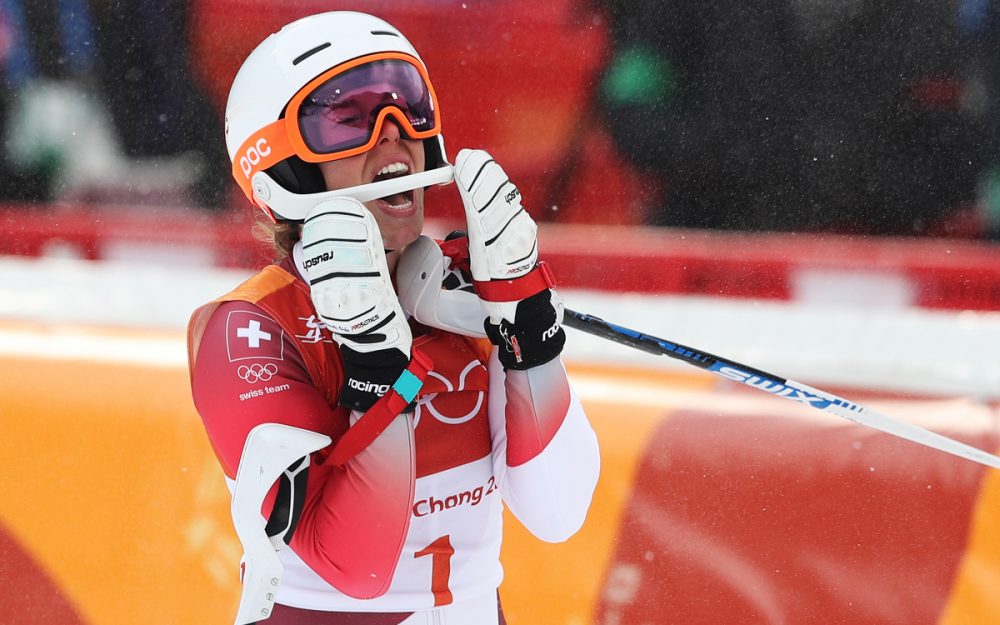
265 148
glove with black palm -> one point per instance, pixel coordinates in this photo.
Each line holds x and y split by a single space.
352 292
524 314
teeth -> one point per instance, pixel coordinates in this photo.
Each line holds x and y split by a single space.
393 168
404 204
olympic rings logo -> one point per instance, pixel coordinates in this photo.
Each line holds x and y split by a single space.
257 372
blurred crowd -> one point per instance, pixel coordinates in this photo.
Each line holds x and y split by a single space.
854 116
859 116
100 104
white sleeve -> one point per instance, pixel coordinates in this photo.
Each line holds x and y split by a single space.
545 453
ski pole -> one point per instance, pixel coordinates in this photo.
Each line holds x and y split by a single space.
776 385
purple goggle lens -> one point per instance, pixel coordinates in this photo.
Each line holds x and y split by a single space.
341 113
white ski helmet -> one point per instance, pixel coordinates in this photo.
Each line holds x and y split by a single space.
282 116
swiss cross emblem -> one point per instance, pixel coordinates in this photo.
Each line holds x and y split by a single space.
253 335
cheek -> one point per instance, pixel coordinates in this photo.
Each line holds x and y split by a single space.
343 173
418 198
416 150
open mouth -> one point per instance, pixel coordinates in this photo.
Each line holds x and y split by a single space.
396 201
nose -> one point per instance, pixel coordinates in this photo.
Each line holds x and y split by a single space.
389 133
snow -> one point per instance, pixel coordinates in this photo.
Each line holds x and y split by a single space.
906 350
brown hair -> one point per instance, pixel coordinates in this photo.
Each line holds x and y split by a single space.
281 236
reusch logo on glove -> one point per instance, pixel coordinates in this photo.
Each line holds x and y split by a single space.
368 387
513 194
315 260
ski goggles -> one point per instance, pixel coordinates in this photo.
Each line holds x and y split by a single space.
341 112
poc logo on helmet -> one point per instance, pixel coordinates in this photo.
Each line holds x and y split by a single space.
253 155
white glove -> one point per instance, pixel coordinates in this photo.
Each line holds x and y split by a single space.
349 280
351 289
524 317
503 243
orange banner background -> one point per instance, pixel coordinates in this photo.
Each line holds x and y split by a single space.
113 508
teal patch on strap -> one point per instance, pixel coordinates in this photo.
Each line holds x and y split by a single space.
407 386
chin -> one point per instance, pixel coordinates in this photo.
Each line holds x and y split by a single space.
399 235
399 227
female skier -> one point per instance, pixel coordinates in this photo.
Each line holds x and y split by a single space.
415 385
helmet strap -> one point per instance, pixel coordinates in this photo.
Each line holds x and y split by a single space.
298 176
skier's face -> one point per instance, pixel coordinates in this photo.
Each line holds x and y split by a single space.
400 217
